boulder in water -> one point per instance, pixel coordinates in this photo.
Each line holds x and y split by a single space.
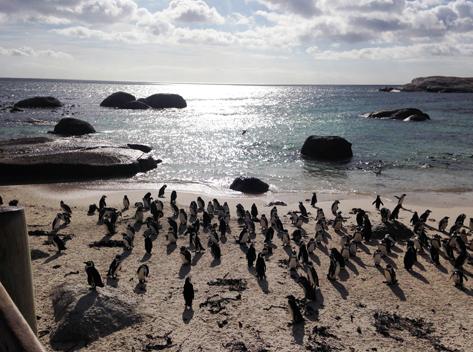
408 114
135 105
84 315
251 185
73 127
117 100
396 229
164 101
333 148
39 103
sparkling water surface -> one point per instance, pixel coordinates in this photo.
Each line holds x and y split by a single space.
203 144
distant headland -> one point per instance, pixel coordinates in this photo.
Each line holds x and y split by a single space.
435 84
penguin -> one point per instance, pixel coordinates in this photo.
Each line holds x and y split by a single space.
345 252
188 293
389 242
66 208
263 222
173 197
410 256
56 225
251 255
338 222
148 244
447 249
335 207
425 216
434 255
240 210
313 200
311 246
139 214
142 273
93 277
59 243
268 236
200 205
395 213
390 275
458 276
360 216
260 267
222 227
377 257
334 269
303 210
153 227
436 242
244 237
126 202
186 256
352 247
215 250
102 202
267 250
210 209
415 219
254 212
13 203
400 199
382 248
292 263
338 257
443 223
198 247
303 254
309 289
378 202
115 266
92 209
312 275
357 235
286 241
460 220
385 215
127 241
161 191
294 310
320 214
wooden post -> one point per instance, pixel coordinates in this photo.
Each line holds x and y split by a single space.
15 262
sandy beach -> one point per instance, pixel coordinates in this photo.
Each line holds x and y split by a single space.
424 312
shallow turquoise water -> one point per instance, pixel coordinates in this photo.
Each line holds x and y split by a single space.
204 144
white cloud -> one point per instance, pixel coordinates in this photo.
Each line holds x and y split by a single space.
30 52
193 11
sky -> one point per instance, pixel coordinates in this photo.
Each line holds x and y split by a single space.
237 41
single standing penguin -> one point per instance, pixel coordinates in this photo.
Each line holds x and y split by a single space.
148 244
434 255
334 268
309 289
188 293
293 263
313 200
400 199
251 255
93 277
186 256
425 216
377 255
215 250
294 310
303 254
395 213
254 212
102 202
410 257
59 243
161 191
260 267
390 275
173 197
458 276
303 210
142 273
312 275
377 202
311 246
335 207
114 266
66 208
443 223
414 219
126 202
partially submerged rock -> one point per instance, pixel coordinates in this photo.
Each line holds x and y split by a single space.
332 148
407 114
117 100
33 160
73 127
396 229
84 315
39 103
135 105
250 185
164 101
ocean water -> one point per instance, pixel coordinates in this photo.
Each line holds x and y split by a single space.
203 145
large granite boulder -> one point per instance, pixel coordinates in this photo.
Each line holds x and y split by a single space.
396 229
33 160
73 127
84 315
117 100
326 148
407 114
39 103
250 185
135 105
164 101
440 84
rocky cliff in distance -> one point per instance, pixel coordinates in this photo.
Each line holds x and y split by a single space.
436 84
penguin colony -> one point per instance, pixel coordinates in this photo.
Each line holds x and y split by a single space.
205 225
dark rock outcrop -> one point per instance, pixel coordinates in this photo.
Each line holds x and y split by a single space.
135 105
407 114
39 103
164 101
117 100
84 315
143 148
33 160
73 127
326 148
440 84
396 229
250 185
